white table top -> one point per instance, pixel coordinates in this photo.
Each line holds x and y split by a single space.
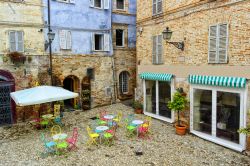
102 128
61 136
109 117
47 116
137 122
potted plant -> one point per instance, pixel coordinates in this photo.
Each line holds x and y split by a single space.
179 104
17 57
246 131
138 107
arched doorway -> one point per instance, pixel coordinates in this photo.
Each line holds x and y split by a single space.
7 105
71 83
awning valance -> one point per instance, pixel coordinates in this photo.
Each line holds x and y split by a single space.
233 82
156 76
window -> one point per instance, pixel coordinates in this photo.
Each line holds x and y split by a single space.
119 37
158 94
16 41
65 39
120 4
157 49
67 1
123 80
101 4
100 42
218 43
157 7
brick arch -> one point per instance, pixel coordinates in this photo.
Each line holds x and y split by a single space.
6 76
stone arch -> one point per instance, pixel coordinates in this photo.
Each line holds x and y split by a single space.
120 87
72 83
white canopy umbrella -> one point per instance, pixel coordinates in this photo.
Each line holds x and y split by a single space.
41 94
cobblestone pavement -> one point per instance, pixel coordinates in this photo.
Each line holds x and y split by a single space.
21 145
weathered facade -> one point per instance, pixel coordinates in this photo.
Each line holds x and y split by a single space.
216 36
81 50
124 40
21 30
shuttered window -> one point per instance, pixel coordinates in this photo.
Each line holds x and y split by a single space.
16 41
65 39
157 7
100 42
157 50
218 43
103 4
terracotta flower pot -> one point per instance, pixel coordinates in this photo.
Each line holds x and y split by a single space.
138 111
180 130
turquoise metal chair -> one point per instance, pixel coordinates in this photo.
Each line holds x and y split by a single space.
49 146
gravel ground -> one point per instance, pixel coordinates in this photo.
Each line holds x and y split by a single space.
21 145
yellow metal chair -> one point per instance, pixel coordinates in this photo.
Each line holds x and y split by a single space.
118 118
56 110
56 129
148 123
92 137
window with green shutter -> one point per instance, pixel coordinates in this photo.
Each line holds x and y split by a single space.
157 7
218 43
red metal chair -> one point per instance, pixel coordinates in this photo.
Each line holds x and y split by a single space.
72 141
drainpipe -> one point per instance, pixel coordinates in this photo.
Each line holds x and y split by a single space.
114 78
50 49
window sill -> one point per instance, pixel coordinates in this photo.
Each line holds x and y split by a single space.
65 2
100 51
157 63
157 15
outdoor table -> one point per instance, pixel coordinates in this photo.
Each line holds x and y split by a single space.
101 129
109 118
60 137
47 116
137 123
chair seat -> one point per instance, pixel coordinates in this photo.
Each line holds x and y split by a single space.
44 122
131 127
145 125
98 131
70 140
102 122
109 131
116 119
62 145
94 135
108 135
50 144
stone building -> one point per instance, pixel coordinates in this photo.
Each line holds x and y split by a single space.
22 58
124 41
213 68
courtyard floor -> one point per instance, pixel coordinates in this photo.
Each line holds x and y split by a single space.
21 145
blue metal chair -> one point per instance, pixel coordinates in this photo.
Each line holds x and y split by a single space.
58 121
49 146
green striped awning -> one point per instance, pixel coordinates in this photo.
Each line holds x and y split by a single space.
233 82
156 76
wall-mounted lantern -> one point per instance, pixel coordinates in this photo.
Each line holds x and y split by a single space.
167 34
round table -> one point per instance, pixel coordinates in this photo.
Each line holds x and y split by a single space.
101 129
47 116
109 117
137 123
61 136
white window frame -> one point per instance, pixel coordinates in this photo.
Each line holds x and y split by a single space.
217 43
156 12
123 82
123 6
243 107
16 41
123 38
67 1
102 41
157 116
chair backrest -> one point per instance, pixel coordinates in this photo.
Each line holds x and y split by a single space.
56 129
89 130
149 120
119 116
56 110
75 133
103 113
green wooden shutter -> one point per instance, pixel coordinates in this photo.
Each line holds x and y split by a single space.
212 44
222 47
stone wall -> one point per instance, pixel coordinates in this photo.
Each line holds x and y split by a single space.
190 21
76 65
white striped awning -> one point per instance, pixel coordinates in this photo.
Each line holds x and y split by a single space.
156 76
233 82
